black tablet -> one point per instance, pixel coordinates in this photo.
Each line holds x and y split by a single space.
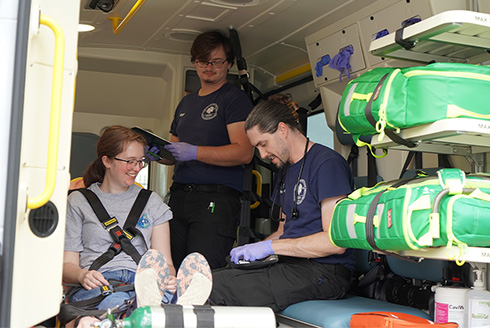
154 140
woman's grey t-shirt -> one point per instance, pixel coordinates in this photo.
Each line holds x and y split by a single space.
86 235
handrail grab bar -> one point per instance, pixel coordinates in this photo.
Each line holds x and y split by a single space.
116 26
54 121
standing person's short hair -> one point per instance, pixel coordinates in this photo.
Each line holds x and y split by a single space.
206 42
268 114
112 142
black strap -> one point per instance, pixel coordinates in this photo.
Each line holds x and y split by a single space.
372 169
369 116
87 307
122 241
370 221
367 110
204 316
136 210
407 163
245 204
174 315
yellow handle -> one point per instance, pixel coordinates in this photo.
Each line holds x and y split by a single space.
116 26
54 122
259 188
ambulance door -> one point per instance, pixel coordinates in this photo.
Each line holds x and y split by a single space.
38 67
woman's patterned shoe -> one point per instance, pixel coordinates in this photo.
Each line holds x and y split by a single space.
194 280
151 280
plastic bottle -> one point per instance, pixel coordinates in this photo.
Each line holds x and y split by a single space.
477 304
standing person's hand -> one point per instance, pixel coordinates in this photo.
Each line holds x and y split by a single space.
182 151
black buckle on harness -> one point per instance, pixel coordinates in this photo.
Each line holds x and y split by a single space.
117 233
106 290
111 223
116 247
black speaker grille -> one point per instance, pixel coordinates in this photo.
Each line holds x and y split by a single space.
44 220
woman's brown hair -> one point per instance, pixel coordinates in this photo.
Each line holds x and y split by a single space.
113 141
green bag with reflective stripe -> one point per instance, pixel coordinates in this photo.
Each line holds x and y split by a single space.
410 214
389 99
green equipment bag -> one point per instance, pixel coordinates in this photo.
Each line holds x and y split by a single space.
451 208
385 100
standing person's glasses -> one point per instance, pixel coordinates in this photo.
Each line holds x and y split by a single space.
131 163
214 63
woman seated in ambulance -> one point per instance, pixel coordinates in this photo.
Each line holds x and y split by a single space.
120 157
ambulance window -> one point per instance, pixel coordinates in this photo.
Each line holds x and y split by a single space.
144 176
318 130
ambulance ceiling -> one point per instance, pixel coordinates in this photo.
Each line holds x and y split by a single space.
272 32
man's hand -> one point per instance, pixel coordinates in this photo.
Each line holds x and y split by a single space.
252 252
182 151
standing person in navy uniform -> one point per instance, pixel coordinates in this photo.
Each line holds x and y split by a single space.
209 143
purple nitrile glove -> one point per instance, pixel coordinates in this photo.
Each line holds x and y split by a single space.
252 252
182 151
152 153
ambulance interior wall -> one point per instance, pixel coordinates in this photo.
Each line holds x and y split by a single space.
358 30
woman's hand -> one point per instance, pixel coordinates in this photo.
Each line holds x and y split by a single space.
87 322
172 284
90 279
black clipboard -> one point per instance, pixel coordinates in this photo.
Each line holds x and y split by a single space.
154 140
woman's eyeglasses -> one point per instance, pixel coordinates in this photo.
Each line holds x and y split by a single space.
131 163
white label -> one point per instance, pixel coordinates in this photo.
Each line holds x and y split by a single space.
479 313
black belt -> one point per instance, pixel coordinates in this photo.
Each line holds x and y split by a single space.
206 188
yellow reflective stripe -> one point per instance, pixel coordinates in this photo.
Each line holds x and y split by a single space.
478 194
455 186
466 75
407 227
128 235
357 193
361 96
381 124
362 219
421 203
435 225
359 219
425 240
455 111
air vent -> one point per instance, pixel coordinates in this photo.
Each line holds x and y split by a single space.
242 3
182 35
44 220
